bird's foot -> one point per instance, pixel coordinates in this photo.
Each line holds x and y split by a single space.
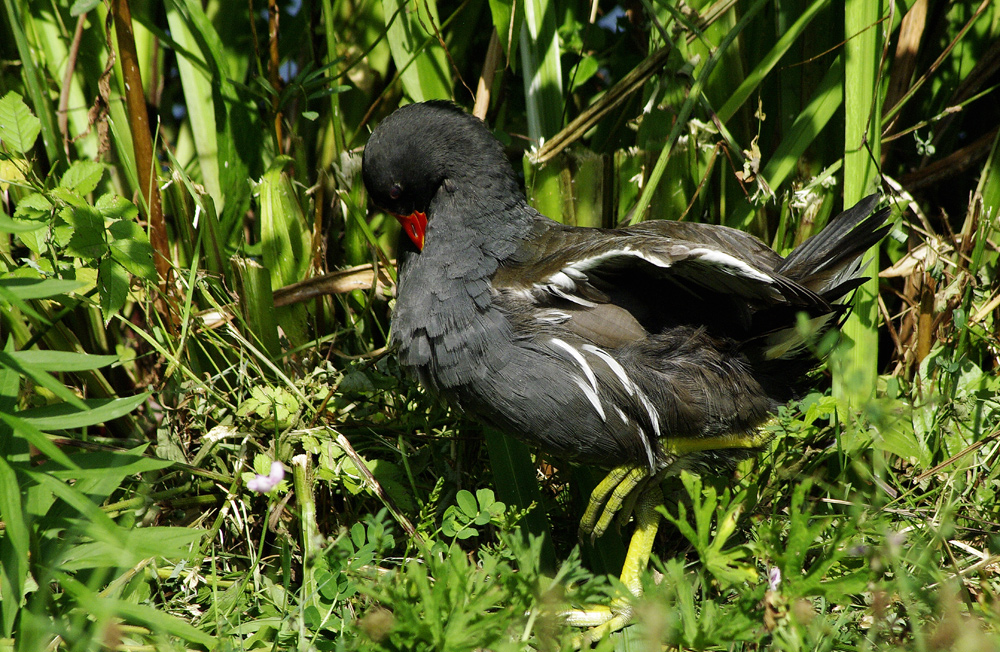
635 488
615 494
601 621
606 619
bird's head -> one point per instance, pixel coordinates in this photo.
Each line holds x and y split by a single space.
424 150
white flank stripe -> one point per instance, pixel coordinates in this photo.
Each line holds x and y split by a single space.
649 450
591 396
613 365
621 415
652 414
578 357
643 437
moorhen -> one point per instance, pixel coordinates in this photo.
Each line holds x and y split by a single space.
642 349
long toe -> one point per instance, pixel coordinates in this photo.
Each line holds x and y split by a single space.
606 619
608 497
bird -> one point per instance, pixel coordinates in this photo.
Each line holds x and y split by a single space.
645 349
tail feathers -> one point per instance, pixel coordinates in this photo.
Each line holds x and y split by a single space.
829 262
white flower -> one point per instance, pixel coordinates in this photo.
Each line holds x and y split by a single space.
773 579
265 483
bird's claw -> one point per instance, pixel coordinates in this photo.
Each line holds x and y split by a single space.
606 619
617 490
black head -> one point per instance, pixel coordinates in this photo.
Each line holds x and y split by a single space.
423 149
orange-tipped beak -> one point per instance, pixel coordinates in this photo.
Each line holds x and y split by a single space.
415 225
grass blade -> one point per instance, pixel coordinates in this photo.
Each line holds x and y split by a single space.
808 125
416 51
542 71
757 75
855 380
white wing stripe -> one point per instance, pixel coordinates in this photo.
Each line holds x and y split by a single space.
575 271
552 317
733 265
563 281
584 264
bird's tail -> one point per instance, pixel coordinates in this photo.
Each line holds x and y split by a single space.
830 262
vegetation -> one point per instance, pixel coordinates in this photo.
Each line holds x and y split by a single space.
192 288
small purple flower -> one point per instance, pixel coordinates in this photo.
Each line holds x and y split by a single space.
773 579
265 483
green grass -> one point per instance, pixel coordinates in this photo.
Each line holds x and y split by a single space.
144 383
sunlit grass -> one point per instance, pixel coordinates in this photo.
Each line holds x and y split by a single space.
143 389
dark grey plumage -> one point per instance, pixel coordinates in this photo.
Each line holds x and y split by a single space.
592 344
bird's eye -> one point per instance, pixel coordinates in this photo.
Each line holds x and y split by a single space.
395 191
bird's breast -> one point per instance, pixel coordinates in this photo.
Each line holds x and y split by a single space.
445 324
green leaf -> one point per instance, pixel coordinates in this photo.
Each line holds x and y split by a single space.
388 476
67 196
855 377
82 177
88 232
34 207
139 543
583 71
725 564
81 7
286 244
507 19
62 227
15 545
809 123
63 360
989 180
358 535
284 230
418 55
40 377
63 416
486 498
130 247
467 503
37 288
112 284
7 225
37 438
160 621
18 127
195 45
517 485
541 69
754 78
114 207
113 466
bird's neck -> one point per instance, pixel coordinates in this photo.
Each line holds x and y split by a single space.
494 224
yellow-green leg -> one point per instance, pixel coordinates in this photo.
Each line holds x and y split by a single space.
613 617
607 498
638 485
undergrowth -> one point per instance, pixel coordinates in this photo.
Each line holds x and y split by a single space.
204 443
